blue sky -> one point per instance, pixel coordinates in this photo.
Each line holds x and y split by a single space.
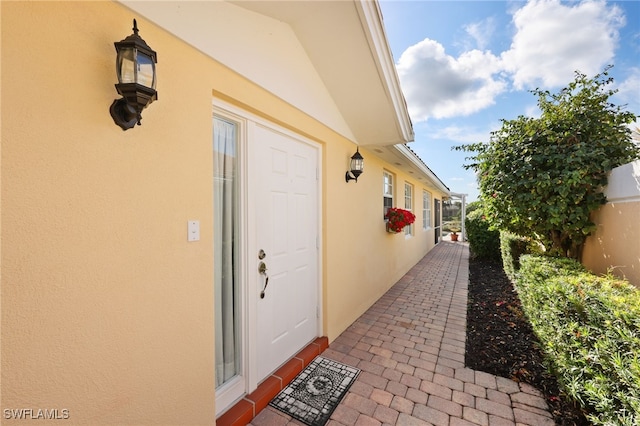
465 65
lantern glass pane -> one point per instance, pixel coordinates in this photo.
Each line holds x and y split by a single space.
146 70
357 164
125 66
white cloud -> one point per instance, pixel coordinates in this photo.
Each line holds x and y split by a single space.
461 134
439 85
553 40
628 91
532 111
481 32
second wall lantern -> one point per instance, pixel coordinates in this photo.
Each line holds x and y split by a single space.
356 167
136 70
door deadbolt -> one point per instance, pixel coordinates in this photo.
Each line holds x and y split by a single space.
261 254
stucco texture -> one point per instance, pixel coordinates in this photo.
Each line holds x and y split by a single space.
106 308
363 259
615 246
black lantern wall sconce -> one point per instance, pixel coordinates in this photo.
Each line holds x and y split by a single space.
356 167
136 70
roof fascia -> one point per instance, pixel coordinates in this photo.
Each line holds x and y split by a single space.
416 162
371 17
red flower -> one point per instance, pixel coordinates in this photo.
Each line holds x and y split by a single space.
397 219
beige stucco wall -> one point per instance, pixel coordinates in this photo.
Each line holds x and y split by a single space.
615 246
363 260
107 310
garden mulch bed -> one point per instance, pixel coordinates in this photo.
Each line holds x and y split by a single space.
500 340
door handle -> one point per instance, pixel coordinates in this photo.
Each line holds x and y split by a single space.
262 269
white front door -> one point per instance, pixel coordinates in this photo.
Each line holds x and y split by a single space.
284 176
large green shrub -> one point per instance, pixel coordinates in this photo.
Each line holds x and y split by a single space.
513 246
589 328
483 241
545 176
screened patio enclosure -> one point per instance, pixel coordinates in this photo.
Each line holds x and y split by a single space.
454 212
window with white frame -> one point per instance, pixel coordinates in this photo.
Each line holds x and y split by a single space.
426 210
387 192
408 205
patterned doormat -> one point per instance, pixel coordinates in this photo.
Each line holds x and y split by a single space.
314 393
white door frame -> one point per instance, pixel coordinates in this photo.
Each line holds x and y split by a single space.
250 285
235 388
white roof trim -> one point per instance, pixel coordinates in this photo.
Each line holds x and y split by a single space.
330 59
417 163
371 15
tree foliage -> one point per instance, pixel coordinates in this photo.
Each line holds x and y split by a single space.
544 176
483 242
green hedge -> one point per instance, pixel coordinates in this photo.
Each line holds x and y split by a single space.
513 246
483 242
589 327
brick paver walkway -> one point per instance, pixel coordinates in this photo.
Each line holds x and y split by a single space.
410 346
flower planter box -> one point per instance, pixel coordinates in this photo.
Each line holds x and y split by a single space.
391 231
397 219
